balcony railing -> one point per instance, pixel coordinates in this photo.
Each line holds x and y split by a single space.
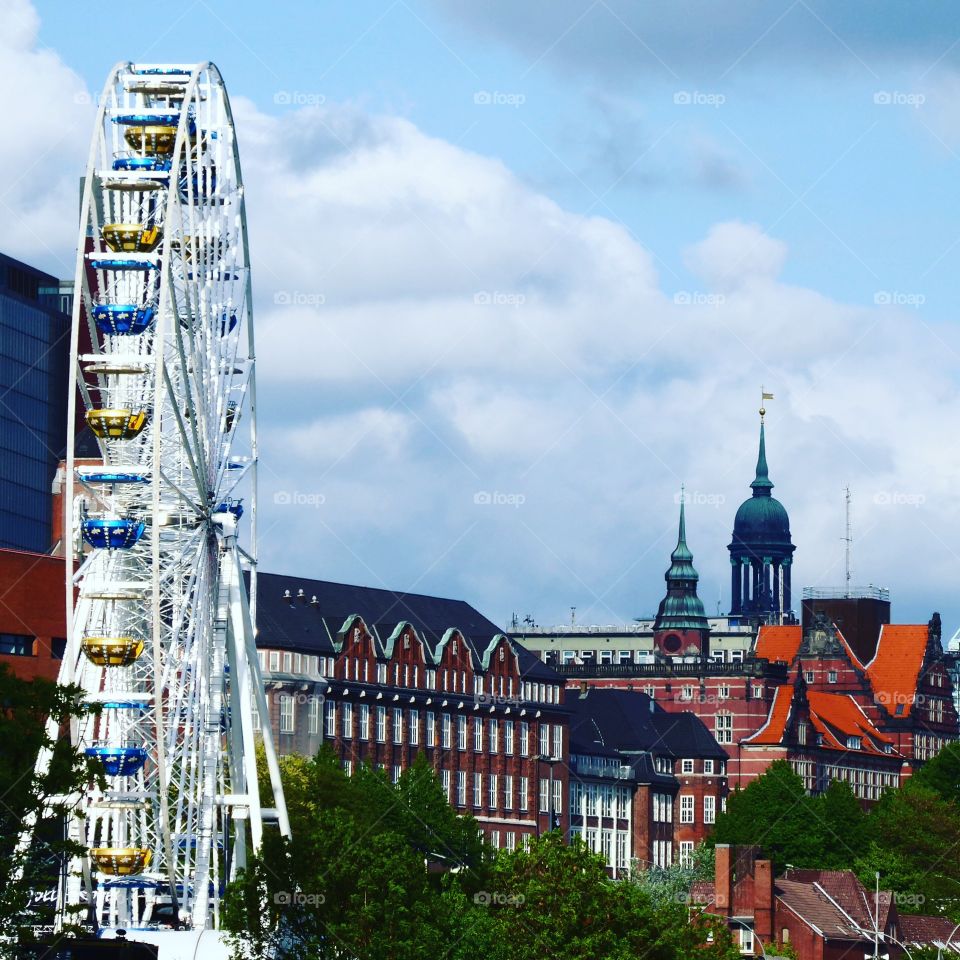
749 668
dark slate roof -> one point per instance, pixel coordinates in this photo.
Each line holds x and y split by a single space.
629 721
296 622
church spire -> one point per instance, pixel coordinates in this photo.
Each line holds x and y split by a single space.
762 485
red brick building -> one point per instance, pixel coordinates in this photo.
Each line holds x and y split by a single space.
645 785
32 613
382 676
820 914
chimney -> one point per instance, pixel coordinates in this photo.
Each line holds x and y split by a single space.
723 879
763 900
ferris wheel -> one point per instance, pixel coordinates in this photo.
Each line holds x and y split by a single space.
160 627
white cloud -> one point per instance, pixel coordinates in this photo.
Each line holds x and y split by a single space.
48 120
433 331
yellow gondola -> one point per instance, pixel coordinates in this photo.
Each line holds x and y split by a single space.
112 651
120 861
151 139
130 237
116 424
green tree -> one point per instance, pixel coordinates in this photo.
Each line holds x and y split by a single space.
774 813
942 774
841 826
26 871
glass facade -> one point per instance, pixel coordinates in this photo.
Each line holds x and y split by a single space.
34 356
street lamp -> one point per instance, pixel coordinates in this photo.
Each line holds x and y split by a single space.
551 762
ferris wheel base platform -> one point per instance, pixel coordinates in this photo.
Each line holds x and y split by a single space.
177 944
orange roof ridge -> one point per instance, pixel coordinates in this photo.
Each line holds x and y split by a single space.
895 668
854 659
776 723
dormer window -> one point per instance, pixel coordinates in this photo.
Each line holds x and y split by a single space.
453 648
854 743
899 711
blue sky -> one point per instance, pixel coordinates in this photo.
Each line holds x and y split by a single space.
683 202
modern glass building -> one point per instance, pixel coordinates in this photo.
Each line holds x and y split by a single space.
34 355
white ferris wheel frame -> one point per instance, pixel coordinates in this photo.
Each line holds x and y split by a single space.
191 695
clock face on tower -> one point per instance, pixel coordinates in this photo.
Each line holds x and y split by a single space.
672 643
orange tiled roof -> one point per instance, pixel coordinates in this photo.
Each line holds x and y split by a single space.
771 733
894 670
779 643
854 659
831 712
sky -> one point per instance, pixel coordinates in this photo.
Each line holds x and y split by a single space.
521 271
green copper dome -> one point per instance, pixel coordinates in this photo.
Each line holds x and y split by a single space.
761 525
681 608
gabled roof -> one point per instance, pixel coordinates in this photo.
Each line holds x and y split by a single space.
772 732
933 931
837 715
628 721
779 643
895 668
832 902
295 613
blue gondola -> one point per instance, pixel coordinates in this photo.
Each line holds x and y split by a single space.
122 318
112 476
148 119
112 534
231 506
228 325
161 72
125 705
150 164
131 883
119 761
110 264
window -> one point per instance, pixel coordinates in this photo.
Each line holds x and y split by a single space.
808 676
313 715
492 791
461 733
511 840
58 647
286 713
478 789
544 795
396 772
348 767
477 735
544 739
686 853
686 766
446 730
508 791
686 807
723 693
431 729
508 737
414 727
832 676
557 740
381 724
723 728
524 793
686 693
708 766
802 733
288 663
274 661
746 941
493 735
445 780
298 663
381 673
524 738
461 788
758 691
254 712
364 722
709 809
347 721
331 723
397 725
853 743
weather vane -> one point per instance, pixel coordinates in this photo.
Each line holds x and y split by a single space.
764 396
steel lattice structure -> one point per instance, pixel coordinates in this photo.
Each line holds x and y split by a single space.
161 632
